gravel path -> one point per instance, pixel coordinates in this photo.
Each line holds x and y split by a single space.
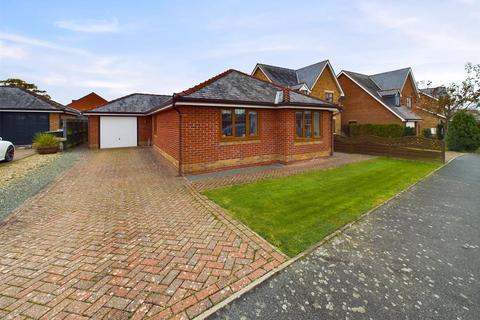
417 257
24 178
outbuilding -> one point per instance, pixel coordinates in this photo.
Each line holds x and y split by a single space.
24 113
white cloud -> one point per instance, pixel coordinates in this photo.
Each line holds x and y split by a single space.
101 26
11 37
11 52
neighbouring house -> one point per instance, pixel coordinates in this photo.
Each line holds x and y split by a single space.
24 113
317 80
427 106
383 98
88 102
231 120
123 122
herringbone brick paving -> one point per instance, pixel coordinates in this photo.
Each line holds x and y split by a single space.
119 237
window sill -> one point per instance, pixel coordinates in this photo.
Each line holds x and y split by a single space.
234 142
307 142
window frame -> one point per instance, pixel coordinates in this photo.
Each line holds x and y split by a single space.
408 102
312 125
329 92
247 136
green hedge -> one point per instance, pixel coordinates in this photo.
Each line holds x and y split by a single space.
463 133
380 130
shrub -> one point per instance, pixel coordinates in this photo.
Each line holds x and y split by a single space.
463 133
44 140
380 130
426 133
440 131
409 131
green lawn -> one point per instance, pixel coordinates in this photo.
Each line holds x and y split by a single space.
295 212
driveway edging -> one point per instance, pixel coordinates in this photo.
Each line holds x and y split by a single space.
309 250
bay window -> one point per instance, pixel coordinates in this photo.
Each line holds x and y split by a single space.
308 124
239 123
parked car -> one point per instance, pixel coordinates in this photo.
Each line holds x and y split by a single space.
7 150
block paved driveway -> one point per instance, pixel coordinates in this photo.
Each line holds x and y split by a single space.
120 236
418 257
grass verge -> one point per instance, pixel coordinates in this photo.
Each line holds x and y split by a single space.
295 212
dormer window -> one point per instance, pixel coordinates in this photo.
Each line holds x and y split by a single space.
397 99
409 102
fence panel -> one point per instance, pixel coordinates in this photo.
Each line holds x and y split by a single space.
75 131
410 147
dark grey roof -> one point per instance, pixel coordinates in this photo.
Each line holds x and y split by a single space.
290 77
283 76
370 86
310 73
20 99
133 103
391 79
435 92
237 86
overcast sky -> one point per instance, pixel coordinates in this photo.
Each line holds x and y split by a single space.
71 48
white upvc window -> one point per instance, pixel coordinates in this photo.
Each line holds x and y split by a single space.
433 130
410 124
409 102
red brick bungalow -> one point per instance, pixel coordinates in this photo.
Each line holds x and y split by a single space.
230 120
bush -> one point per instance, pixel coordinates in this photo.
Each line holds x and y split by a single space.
463 133
426 133
44 140
440 131
380 130
407 131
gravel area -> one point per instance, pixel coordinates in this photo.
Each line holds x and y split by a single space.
22 179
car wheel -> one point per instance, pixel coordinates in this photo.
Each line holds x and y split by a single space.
9 154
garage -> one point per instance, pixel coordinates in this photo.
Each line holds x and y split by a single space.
118 132
123 122
24 113
21 127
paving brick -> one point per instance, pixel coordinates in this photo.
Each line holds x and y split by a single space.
129 238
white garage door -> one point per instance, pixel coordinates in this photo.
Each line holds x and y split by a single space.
118 132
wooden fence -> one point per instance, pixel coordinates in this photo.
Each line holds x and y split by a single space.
75 131
409 147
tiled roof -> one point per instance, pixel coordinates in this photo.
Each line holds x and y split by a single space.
391 79
310 73
290 77
283 76
137 103
234 85
15 98
367 83
435 92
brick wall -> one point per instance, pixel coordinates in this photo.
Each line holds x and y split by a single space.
359 106
165 134
54 121
327 82
93 131
203 149
144 125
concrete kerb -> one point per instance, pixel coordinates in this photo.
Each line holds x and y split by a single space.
309 250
